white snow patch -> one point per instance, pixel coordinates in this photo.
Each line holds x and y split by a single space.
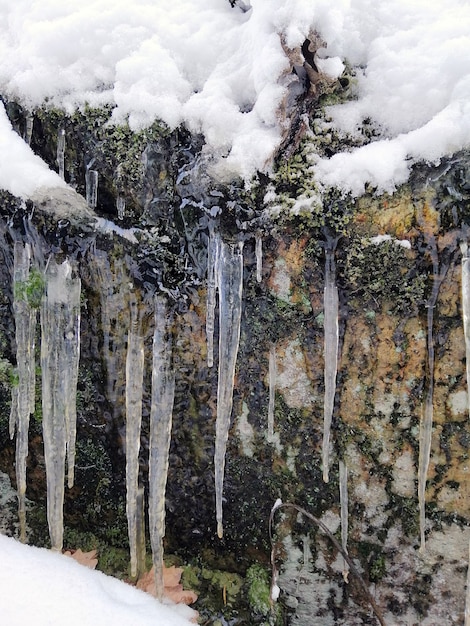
220 69
48 589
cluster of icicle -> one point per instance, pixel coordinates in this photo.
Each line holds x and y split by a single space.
225 275
161 411
60 347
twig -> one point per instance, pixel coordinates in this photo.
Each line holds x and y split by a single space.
337 545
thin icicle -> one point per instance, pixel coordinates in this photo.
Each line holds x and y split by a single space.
120 206
29 128
467 595
259 257
331 341
61 152
272 390
425 427
230 284
23 396
213 250
343 499
163 393
91 187
60 340
134 388
465 269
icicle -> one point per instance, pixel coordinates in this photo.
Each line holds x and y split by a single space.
29 128
120 206
61 153
259 257
272 390
134 388
213 250
466 309
112 285
91 184
425 427
60 340
230 284
163 391
343 499
23 396
331 341
467 595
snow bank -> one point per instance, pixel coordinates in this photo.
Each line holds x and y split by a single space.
219 70
48 589
22 172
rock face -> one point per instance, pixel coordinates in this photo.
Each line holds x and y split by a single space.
396 257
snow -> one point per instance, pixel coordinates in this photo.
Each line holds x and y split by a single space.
46 588
220 71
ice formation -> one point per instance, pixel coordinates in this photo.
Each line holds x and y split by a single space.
465 269
230 285
134 389
163 392
60 342
259 257
23 395
61 153
272 390
425 427
91 187
343 499
331 340
29 128
213 249
120 206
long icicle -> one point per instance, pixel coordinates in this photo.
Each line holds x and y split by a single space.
331 342
161 412
344 501
134 385
213 250
60 322
465 269
230 283
259 257
425 427
272 390
23 396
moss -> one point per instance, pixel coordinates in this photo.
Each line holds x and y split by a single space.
259 590
32 289
376 274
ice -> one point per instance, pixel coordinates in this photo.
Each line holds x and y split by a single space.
230 284
331 341
91 188
163 391
465 269
272 390
29 128
213 249
343 499
259 257
60 341
425 427
23 395
61 152
467 595
112 280
120 206
134 389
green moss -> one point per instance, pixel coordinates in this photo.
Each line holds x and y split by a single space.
32 289
259 590
383 273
